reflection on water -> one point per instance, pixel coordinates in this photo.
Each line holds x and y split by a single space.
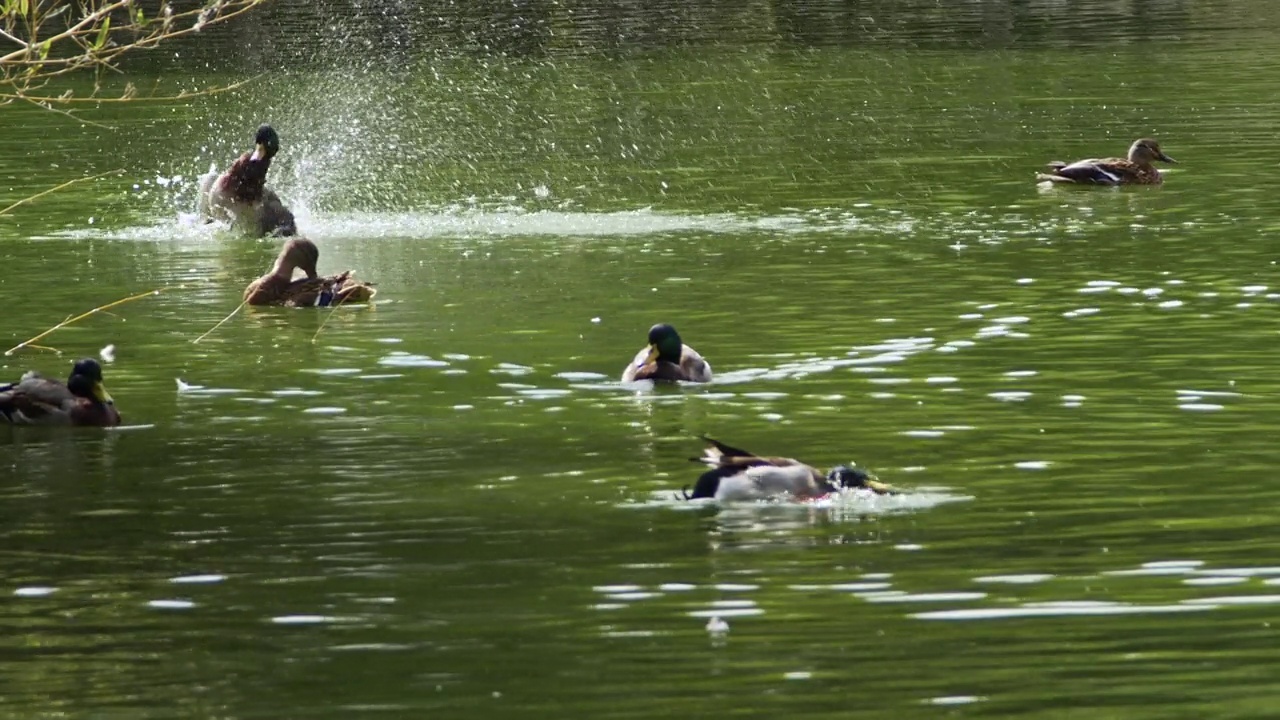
976 604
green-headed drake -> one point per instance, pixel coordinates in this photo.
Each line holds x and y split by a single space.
1137 169
240 196
736 474
667 358
83 400
278 287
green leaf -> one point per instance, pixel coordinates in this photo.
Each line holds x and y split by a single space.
140 17
23 6
103 32
43 49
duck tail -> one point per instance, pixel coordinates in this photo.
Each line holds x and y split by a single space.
1046 177
719 450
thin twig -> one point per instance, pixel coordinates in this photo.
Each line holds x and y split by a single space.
90 20
184 95
332 308
220 322
48 106
56 188
78 318
96 39
7 36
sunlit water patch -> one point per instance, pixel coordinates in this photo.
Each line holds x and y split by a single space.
488 222
846 504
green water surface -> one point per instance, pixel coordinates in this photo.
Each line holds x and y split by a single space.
446 506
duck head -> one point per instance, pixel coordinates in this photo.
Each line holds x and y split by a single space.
86 382
1145 151
843 476
266 144
299 253
665 345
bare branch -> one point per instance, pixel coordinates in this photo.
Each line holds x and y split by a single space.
130 95
95 36
11 38
68 113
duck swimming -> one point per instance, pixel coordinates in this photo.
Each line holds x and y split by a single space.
240 196
667 358
736 474
279 288
83 400
1136 169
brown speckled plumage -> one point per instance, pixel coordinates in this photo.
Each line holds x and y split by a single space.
1137 169
278 287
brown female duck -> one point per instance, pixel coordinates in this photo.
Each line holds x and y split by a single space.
667 358
279 288
35 400
1137 169
736 474
240 195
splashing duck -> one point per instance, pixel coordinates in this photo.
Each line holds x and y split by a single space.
667 358
1137 169
240 196
737 474
279 288
83 400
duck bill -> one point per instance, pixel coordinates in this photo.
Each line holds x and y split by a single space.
259 152
881 488
101 394
651 358
1167 159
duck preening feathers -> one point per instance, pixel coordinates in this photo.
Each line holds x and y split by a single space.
278 287
737 474
666 357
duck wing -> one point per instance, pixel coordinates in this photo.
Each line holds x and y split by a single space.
308 292
1094 171
311 292
272 217
328 291
756 479
35 400
350 291
695 368
797 480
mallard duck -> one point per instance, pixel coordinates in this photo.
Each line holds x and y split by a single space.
240 195
736 474
279 288
667 358
1137 169
35 400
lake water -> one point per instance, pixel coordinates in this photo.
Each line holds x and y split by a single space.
446 505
